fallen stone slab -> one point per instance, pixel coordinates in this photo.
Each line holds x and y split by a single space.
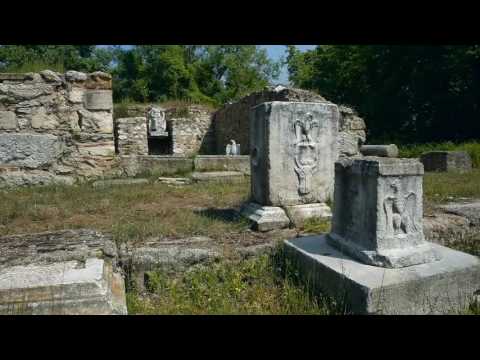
218 176
174 181
109 183
167 255
60 272
469 210
445 286
62 288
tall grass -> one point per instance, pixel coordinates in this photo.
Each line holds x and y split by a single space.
415 150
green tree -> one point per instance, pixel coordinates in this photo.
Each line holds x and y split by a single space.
406 93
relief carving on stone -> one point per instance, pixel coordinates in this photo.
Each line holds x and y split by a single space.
306 157
400 211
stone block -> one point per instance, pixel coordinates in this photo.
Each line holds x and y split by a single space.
298 214
442 287
98 121
218 176
87 287
114 182
447 161
98 100
29 150
223 163
380 150
378 212
76 95
44 121
293 149
8 120
265 218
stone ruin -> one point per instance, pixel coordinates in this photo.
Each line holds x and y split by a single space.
447 161
55 128
376 260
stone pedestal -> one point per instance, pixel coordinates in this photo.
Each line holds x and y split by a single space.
378 214
446 286
376 260
265 218
293 149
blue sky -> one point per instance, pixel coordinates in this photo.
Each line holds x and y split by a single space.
277 51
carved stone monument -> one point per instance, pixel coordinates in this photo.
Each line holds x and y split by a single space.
293 150
378 212
157 124
376 259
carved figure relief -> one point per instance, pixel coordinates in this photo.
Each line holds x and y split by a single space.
400 211
306 157
157 119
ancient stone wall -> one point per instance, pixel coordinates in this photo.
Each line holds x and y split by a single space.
191 131
55 128
232 121
131 136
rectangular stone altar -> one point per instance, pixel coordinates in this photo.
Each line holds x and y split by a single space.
376 259
293 150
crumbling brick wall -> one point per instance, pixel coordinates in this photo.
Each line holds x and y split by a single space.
55 128
232 121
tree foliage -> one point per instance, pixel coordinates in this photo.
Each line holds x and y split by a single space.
20 58
406 93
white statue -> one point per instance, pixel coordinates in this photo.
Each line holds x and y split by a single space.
233 148
156 120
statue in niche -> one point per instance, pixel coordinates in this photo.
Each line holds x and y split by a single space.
157 121
305 152
400 211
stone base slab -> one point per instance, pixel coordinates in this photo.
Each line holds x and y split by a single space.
299 213
445 286
265 218
389 258
62 288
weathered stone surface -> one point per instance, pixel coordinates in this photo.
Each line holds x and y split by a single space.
265 218
239 163
21 178
174 181
218 176
114 182
378 212
42 120
55 246
132 136
445 286
380 150
76 95
51 76
8 120
469 210
98 100
97 122
447 161
29 150
298 214
23 91
293 150
64 288
75 76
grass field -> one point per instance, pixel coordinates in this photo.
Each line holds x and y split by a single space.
261 285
